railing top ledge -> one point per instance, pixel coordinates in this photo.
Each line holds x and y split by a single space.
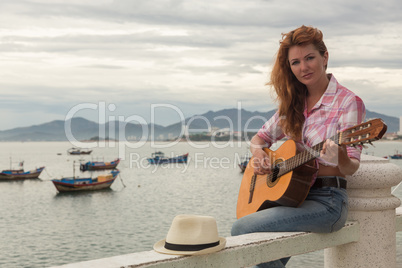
375 172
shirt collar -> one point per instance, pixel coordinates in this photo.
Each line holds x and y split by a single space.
328 96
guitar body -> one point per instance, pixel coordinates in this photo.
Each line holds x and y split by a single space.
265 191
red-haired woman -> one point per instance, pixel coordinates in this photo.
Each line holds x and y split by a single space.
313 107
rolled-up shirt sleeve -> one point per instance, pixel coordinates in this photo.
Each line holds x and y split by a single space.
271 131
353 114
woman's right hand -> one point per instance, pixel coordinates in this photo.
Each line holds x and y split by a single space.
261 162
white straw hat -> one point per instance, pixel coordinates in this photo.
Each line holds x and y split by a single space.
191 235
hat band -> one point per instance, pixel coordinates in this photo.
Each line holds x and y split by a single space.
181 247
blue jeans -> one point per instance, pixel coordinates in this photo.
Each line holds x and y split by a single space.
324 211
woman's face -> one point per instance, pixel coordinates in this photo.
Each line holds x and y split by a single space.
307 64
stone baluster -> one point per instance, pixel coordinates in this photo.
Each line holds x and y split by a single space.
373 206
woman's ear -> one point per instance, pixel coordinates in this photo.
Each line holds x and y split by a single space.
325 56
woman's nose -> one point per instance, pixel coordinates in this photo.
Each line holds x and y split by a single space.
303 65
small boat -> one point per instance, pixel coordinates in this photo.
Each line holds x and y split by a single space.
78 151
20 174
159 158
396 156
97 165
73 184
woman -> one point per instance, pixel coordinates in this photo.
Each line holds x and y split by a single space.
313 107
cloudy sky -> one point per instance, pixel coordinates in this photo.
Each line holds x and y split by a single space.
171 58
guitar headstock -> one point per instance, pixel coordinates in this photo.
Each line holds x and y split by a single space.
364 133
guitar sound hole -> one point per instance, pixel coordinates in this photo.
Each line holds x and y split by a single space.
275 172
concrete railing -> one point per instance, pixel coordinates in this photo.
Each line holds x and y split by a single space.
367 240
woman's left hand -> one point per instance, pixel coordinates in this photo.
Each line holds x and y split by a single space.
331 152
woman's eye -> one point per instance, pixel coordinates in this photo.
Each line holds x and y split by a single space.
294 62
310 58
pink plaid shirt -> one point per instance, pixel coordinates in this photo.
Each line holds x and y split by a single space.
338 109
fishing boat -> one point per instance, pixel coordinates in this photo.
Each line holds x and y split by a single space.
20 174
74 184
78 151
98 165
160 158
396 156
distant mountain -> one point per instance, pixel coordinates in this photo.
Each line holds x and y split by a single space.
52 131
235 119
82 129
392 122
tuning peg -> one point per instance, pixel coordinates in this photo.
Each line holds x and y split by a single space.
371 143
364 146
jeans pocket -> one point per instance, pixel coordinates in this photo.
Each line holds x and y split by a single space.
342 217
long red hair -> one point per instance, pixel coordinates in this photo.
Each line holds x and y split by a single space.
291 94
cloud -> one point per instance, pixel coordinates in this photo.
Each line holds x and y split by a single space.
194 54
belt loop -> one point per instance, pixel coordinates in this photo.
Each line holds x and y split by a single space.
338 182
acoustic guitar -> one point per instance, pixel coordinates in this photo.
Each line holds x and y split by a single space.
290 178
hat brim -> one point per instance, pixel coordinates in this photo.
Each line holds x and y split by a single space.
160 247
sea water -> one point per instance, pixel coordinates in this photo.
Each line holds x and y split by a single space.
40 227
